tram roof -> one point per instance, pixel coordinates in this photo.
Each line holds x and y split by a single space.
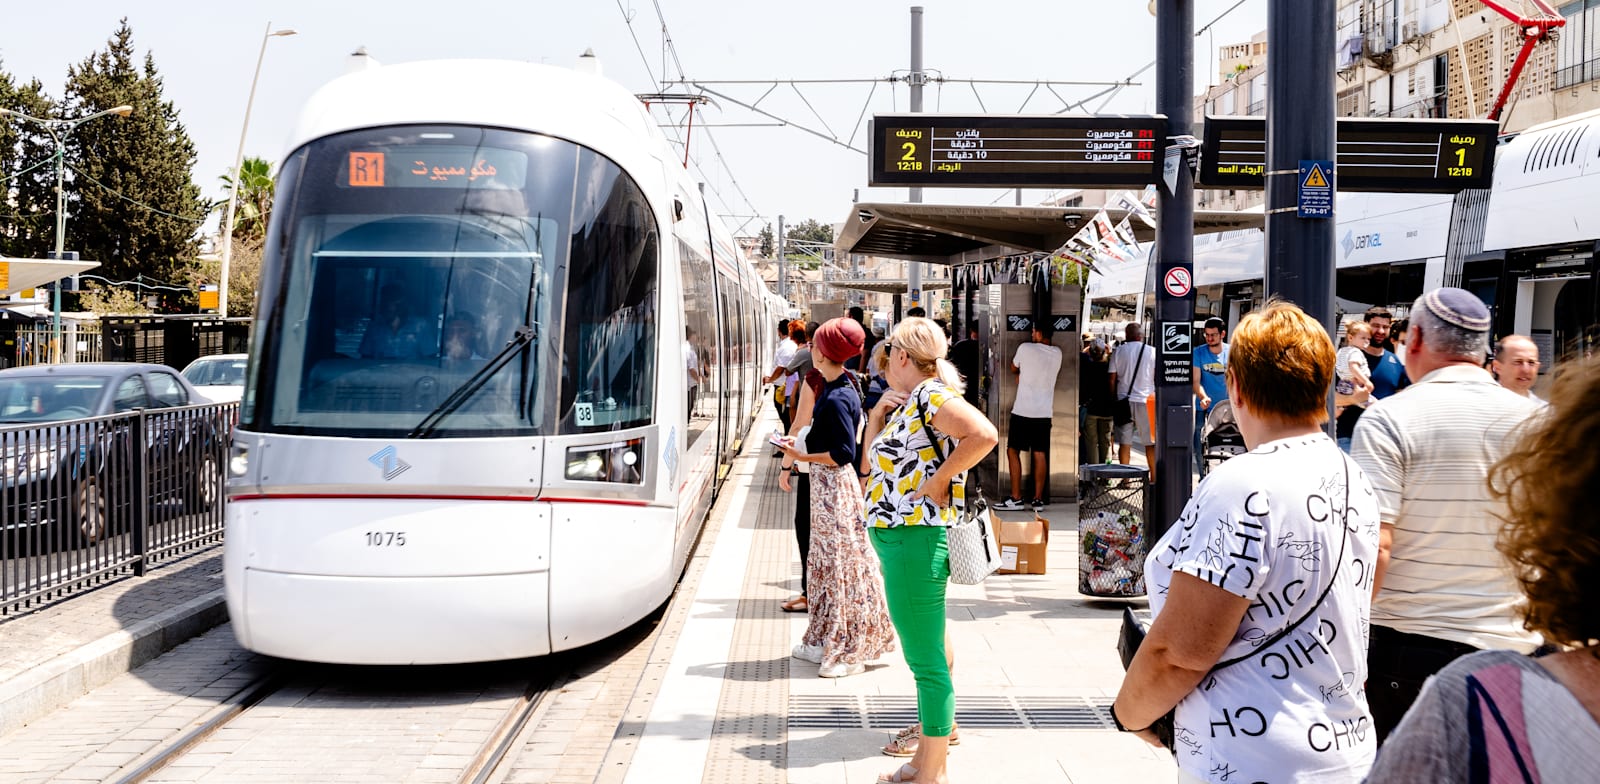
958 234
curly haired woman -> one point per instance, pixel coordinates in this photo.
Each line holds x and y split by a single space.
1499 715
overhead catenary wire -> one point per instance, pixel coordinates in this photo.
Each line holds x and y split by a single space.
663 83
113 192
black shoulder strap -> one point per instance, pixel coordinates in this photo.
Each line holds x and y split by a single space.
1133 378
1344 540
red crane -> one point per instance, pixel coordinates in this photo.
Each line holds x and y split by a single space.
1533 29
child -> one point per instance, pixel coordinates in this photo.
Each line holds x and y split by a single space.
1350 366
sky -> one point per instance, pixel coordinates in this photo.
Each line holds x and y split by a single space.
206 53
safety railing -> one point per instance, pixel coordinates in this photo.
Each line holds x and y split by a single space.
89 501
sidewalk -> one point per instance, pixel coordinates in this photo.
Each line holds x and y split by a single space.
1036 669
54 654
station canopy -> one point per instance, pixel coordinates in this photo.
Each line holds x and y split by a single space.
960 234
23 274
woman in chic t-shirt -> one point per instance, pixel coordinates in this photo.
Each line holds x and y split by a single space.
1270 564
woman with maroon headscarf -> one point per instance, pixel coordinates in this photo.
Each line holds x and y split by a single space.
849 618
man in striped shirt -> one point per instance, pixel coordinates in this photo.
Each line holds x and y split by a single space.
1440 588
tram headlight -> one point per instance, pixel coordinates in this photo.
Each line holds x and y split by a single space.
239 461
621 461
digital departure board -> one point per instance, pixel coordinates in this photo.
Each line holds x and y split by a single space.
1010 151
1401 156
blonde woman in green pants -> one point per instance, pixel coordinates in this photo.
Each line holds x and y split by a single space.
912 499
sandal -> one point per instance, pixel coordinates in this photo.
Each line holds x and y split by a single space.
906 740
905 773
796 605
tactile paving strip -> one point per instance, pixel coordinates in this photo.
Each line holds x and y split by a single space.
748 741
875 712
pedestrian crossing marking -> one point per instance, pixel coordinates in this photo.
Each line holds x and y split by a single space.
1314 179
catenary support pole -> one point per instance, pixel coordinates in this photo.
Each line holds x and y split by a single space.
916 79
783 264
1171 333
1300 128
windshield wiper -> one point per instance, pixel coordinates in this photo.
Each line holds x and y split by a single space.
524 337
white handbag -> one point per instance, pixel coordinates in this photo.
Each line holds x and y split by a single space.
974 549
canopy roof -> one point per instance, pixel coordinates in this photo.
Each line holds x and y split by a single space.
951 234
22 274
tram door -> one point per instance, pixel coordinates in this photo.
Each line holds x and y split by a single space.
1558 313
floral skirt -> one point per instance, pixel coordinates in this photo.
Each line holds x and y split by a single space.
849 617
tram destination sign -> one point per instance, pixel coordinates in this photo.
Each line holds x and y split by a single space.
1010 151
1401 156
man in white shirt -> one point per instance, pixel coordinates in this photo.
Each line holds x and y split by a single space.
1516 365
1036 364
1441 590
1133 379
784 356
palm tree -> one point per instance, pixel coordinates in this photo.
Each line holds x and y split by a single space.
255 199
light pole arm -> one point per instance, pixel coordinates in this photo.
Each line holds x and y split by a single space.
233 192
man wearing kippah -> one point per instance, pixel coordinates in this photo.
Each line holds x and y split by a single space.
1440 589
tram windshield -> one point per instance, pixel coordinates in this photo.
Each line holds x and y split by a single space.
444 281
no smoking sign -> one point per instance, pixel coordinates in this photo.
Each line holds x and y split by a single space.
1178 282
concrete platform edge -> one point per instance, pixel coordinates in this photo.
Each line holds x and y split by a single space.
49 686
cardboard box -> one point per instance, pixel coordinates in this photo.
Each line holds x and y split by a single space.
1023 544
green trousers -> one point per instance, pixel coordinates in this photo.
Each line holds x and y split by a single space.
916 571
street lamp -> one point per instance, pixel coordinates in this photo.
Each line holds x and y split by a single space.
238 160
59 130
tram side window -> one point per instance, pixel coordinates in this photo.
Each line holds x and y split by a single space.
700 340
610 343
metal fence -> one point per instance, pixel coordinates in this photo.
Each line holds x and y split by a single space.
88 501
80 342
174 341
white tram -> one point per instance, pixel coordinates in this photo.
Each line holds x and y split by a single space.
502 352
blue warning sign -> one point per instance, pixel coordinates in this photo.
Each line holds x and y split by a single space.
1316 189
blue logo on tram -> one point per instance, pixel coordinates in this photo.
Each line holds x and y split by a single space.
388 461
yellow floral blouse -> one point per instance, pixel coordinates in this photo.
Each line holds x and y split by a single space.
902 457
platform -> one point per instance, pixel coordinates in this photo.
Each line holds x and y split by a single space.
711 694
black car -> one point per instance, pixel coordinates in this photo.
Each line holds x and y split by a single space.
67 462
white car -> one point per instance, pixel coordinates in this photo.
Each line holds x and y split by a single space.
220 377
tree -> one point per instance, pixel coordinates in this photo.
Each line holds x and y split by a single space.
809 230
27 195
244 271
767 242
255 186
132 203
110 301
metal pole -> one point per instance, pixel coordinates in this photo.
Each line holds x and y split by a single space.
238 160
1174 421
916 79
61 239
1300 127
783 265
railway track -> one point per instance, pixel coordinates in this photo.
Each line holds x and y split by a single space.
493 750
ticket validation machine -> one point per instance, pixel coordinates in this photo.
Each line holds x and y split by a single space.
1005 322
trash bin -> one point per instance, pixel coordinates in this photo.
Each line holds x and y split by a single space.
1111 530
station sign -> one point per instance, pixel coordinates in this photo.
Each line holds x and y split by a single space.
1398 156
1013 151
